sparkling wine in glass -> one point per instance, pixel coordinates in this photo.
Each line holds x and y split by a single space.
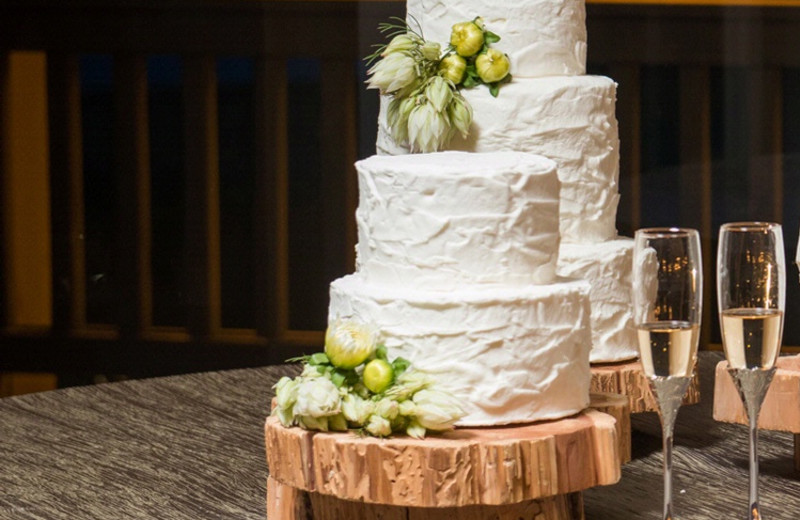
667 304
751 291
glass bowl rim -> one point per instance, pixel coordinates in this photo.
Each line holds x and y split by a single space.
749 226
667 232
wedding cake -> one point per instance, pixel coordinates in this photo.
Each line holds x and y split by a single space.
472 262
552 108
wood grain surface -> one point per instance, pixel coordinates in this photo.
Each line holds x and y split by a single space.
288 503
192 447
466 466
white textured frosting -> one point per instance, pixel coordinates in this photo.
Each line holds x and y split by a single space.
607 267
510 354
568 119
441 220
541 37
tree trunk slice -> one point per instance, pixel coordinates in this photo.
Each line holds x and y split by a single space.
628 378
287 503
781 408
464 467
618 407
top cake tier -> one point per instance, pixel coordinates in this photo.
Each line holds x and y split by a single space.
541 37
441 220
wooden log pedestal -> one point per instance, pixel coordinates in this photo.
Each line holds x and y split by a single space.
628 378
531 471
781 408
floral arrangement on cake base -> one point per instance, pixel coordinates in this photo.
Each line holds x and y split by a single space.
427 108
353 385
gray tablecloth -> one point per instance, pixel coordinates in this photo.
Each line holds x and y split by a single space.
191 447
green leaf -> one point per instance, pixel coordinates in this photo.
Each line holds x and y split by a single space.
400 365
494 89
470 81
299 359
320 358
338 378
490 37
381 353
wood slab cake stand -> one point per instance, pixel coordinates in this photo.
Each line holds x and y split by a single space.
781 408
522 472
628 378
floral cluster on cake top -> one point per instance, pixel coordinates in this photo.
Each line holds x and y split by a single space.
427 109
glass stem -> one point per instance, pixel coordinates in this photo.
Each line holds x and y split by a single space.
753 385
754 513
667 436
669 393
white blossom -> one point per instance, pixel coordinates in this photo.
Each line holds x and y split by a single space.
436 410
316 398
348 344
415 430
427 129
460 113
378 426
286 392
387 408
400 43
356 409
393 72
431 51
310 372
397 117
407 384
439 93
285 416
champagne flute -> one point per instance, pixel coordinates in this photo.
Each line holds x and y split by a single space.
751 291
667 306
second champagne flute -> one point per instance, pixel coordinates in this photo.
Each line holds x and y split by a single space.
667 306
751 292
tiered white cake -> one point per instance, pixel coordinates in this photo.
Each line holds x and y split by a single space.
551 108
456 265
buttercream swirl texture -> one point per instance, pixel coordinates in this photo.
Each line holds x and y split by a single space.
438 221
509 353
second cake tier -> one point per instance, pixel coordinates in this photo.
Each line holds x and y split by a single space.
441 220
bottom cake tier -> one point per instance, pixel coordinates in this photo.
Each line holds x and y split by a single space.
607 266
510 354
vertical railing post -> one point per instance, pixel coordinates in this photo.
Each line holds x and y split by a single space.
765 143
203 277
66 180
5 128
132 162
272 198
696 173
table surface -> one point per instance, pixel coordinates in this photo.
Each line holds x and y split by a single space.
191 447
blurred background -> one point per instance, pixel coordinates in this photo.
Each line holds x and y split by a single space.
177 178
